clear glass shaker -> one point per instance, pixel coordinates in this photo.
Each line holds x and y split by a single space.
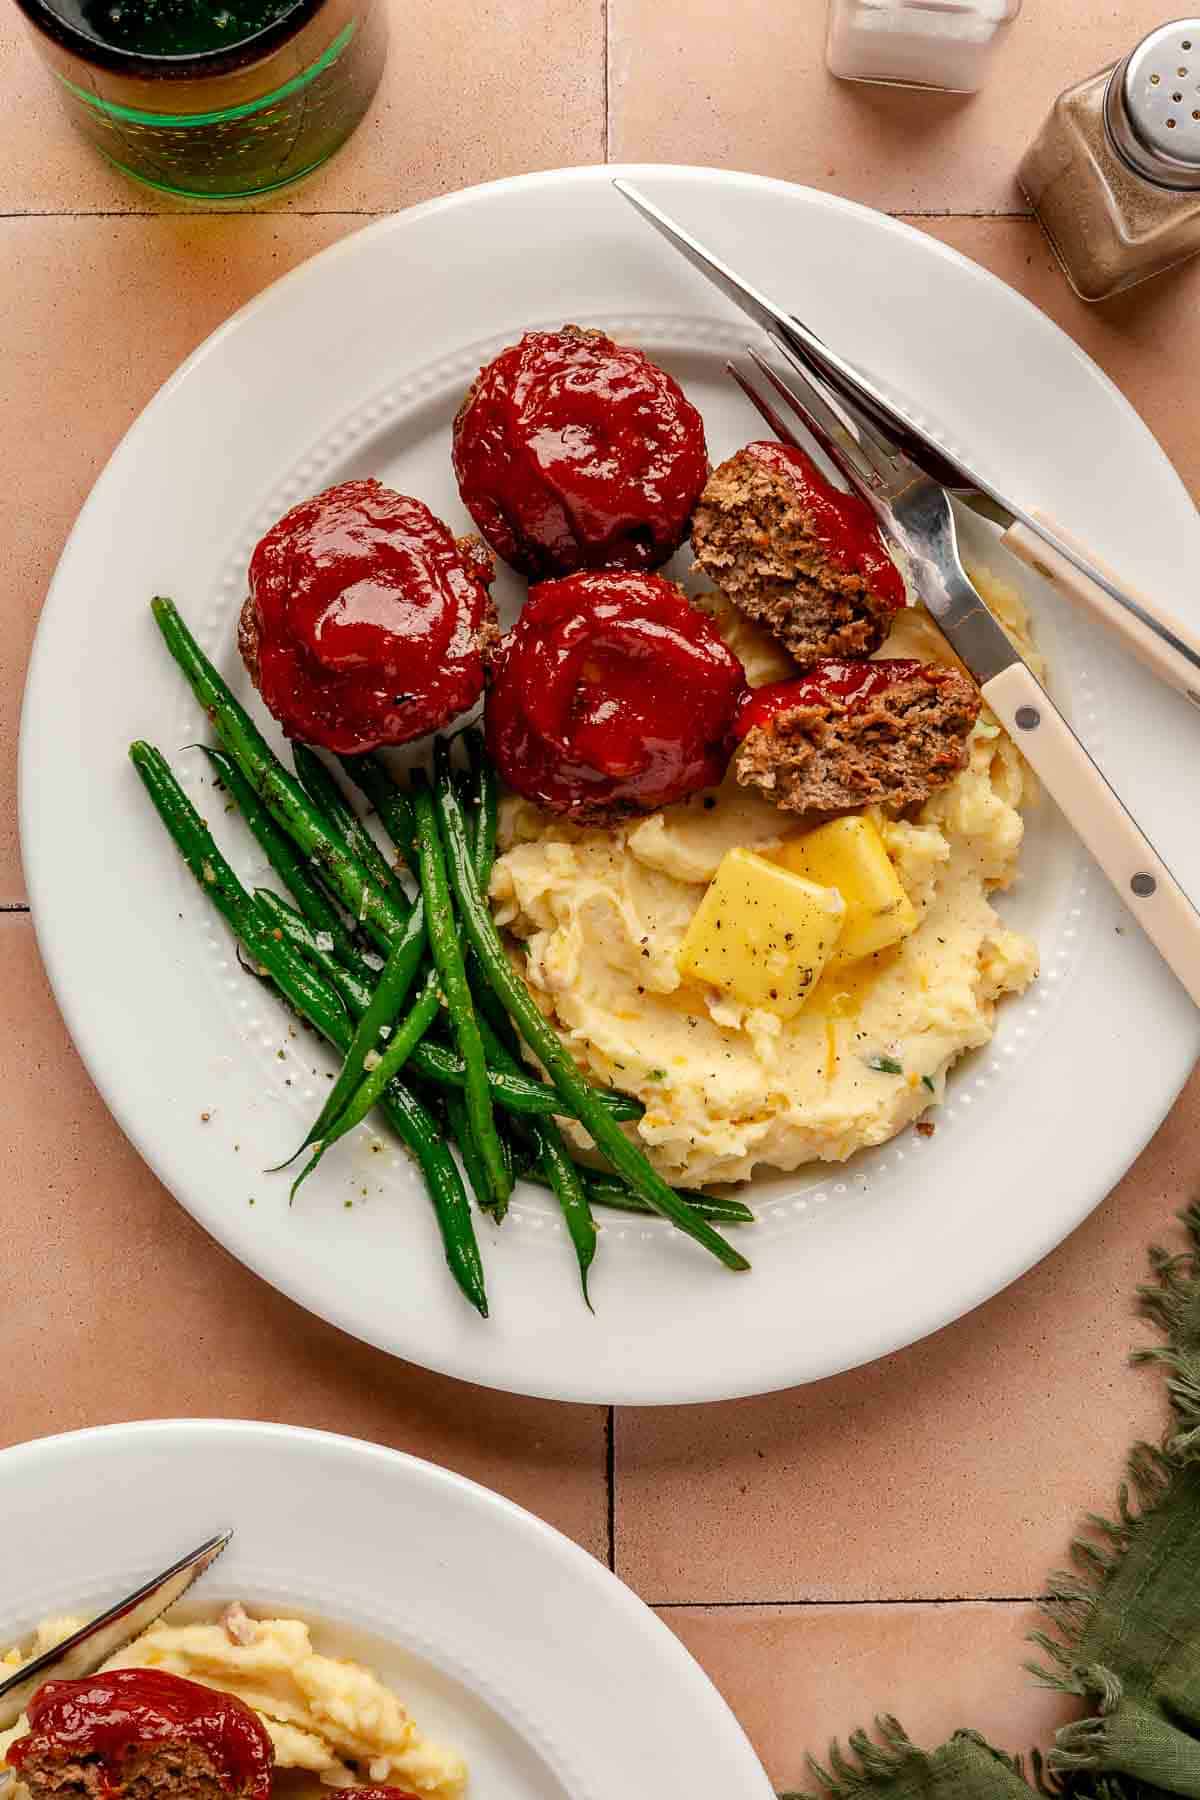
1114 174
945 44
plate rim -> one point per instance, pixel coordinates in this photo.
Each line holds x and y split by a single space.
884 1340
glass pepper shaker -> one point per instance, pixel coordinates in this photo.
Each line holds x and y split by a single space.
1114 174
942 44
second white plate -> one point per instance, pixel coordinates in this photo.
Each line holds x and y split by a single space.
503 1638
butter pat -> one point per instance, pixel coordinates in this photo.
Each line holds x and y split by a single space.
762 934
849 855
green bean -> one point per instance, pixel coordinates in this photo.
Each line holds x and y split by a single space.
519 1093
282 855
477 1175
551 1155
317 1001
368 1092
390 802
281 794
625 1157
355 981
607 1190
329 800
447 954
494 1022
311 996
379 1015
501 1054
614 1195
564 1179
485 801
464 1135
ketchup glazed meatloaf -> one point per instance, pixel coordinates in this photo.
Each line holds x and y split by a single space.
142 1734
368 622
575 452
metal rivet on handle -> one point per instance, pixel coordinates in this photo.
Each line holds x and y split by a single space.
1143 886
1028 717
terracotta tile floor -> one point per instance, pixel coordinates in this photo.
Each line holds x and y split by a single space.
870 1543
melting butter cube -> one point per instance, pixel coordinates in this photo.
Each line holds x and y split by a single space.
762 933
849 855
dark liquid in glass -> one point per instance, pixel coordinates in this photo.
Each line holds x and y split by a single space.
171 27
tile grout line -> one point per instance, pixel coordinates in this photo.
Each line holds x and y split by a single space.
381 212
866 1601
606 77
610 1482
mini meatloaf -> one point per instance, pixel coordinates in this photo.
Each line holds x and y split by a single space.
368 622
142 1734
849 735
796 554
575 452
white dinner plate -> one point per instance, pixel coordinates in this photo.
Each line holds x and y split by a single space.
353 365
503 1639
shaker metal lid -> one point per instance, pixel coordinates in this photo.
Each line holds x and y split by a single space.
1152 105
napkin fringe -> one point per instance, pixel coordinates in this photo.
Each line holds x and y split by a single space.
1172 1301
960 1766
1072 1597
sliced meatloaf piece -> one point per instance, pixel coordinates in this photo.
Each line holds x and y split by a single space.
796 554
849 735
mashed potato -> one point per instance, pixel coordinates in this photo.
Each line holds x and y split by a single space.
600 915
332 1718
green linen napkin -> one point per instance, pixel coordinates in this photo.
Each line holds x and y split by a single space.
1125 1624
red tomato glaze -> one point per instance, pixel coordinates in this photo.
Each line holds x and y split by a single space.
853 683
612 693
842 525
574 452
109 1716
368 619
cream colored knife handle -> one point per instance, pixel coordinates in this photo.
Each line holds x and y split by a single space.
1140 639
1139 875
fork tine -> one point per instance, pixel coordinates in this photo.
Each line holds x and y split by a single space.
878 450
763 406
818 417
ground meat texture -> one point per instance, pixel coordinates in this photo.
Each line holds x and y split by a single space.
158 1772
796 554
892 745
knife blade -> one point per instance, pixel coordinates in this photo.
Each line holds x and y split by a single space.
86 1649
844 378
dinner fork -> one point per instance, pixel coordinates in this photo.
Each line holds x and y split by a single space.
915 514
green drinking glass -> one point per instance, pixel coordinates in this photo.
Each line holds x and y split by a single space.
213 99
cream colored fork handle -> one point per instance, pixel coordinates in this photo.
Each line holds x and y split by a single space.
1139 639
1139 875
